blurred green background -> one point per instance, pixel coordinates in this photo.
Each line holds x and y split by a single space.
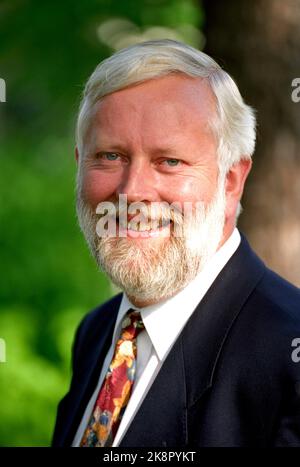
48 282
48 279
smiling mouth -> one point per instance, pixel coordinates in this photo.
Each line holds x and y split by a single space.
152 228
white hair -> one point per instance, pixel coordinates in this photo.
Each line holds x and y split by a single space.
234 126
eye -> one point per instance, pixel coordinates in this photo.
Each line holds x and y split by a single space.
110 156
107 157
172 162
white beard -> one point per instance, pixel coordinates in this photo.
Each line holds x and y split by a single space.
149 272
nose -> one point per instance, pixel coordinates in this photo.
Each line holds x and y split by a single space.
139 182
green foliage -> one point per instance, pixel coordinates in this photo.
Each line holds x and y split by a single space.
43 253
48 279
48 282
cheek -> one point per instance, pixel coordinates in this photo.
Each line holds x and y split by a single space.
190 189
97 187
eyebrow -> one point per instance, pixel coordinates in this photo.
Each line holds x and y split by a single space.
159 151
166 151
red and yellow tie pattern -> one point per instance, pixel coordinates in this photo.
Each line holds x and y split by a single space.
116 388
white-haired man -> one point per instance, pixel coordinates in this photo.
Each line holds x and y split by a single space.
198 349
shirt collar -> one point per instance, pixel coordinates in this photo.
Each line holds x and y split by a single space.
164 321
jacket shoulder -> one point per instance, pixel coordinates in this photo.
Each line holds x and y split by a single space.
279 297
267 326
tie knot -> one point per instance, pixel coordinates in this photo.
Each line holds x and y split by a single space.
132 324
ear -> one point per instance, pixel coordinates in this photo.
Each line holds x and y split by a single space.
235 181
76 155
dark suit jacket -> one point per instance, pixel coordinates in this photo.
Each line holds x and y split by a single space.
229 379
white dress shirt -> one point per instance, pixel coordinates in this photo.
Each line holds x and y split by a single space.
163 322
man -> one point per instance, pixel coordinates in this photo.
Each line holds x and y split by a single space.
197 350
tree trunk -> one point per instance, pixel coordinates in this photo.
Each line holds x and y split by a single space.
257 42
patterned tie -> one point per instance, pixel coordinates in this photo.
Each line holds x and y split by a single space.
116 388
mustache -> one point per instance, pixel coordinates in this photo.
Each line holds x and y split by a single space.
154 212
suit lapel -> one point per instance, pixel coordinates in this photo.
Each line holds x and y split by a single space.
161 419
188 370
94 352
209 326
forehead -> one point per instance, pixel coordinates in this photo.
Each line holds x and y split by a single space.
163 108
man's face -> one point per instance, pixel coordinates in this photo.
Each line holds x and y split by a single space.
153 143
